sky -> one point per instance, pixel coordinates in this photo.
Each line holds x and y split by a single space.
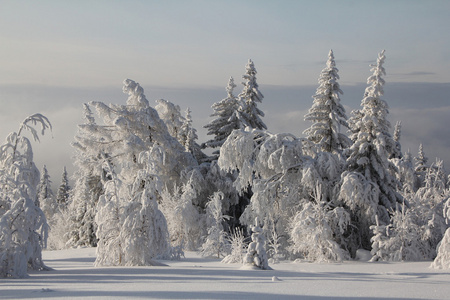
56 55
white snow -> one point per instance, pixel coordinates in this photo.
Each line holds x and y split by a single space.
74 276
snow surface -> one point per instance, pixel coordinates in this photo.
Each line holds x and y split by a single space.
74 276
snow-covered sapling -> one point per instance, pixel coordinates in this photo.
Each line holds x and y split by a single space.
256 253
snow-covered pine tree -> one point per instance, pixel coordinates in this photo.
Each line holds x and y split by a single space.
420 167
406 174
368 186
88 186
277 172
398 241
442 260
23 227
249 97
327 113
109 218
170 113
216 241
428 205
256 252
227 118
185 224
144 231
62 197
314 229
189 137
397 153
45 198
134 139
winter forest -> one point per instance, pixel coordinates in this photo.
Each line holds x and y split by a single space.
145 188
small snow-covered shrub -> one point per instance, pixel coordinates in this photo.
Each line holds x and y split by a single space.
442 260
237 247
256 252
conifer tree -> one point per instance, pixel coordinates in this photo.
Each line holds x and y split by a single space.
249 97
227 118
88 176
420 167
189 137
397 153
368 186
45 198
256 252
23 226
327 113
216 242
62 198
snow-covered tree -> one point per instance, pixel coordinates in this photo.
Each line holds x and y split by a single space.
397 153
256 252
227 118
216 241
327 113
170 113
189 138
185 224
277 172
369 187
109 217
314 229
88 185
62 197
238 247
126 132
144 232
420 166
428 205
398 241
442 260
249 97
23 227
45 197
406 174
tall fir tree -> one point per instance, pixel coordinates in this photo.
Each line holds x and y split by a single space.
45 198
62 197
327 113
189 138
420 167
227 118
368 186
397 153
249 98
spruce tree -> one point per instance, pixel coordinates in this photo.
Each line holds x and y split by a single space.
420 167
62 198
249 98
23 226
327 113
45 198
368 186
227 118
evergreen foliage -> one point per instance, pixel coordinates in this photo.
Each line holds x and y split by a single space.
23 226
250 97
327 113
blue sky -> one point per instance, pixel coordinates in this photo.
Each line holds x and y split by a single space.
55 55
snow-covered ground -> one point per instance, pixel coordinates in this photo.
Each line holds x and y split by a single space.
197 278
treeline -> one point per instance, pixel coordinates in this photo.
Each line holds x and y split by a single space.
144 187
